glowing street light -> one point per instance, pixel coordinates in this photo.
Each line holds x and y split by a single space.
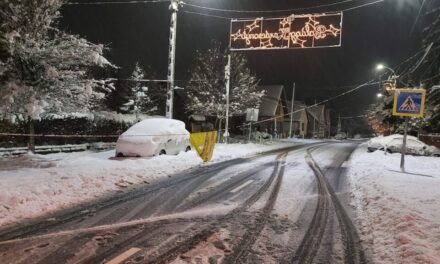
390 84
381 67
379 95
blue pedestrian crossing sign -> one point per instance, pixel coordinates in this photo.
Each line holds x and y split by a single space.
409 102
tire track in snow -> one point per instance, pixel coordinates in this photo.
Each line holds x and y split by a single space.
353 251
184 246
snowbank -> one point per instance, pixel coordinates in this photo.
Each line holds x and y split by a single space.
398 213
57 181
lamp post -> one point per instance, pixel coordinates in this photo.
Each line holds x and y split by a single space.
381 67
174 7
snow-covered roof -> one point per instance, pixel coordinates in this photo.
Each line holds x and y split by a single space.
198 118
270 100
157 126
297 105
317 112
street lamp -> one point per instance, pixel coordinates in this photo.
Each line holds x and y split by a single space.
381 67
390 84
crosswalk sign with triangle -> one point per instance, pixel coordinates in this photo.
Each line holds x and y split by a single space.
409 102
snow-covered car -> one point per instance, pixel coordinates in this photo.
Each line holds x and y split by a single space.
341 136
151 137
394 143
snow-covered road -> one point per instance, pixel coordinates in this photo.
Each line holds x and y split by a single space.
306 204
265 209
34 185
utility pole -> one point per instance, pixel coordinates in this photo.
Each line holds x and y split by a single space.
228 82
174 7
339 124
314 123
291 110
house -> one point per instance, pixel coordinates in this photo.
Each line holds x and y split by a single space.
299 120
318 122
272 106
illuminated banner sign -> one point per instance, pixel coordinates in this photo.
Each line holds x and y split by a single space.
292 32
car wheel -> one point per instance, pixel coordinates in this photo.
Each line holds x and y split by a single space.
162 152
188 149
371 149
120 155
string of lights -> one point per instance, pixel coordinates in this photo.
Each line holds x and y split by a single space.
119 2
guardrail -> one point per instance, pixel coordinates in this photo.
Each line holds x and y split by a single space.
99 146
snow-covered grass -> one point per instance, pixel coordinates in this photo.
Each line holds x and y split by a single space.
33 185
398 213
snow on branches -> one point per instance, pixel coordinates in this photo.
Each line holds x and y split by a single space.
206 90
44 68
137 99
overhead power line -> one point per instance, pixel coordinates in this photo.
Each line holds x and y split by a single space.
226 10
353 117
369 83
266 11
206 15
118 2
263 11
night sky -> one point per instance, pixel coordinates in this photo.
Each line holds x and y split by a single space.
373 34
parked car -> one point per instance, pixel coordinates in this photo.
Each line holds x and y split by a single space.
341 136
394 143
151 137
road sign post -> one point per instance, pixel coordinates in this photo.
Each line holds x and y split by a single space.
408 103
251 116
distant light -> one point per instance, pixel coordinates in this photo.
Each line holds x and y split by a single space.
380 67
379 95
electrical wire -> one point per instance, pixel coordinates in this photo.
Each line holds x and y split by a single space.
353 117
119 2
266 11
417 18
206 15
369 83
260 11
363 5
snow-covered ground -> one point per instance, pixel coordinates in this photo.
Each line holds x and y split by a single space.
33 185
398 213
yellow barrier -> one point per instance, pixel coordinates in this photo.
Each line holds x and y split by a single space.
204 144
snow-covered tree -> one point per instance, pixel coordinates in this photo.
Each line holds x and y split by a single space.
428 74
206 90
136 99
42 67
422 71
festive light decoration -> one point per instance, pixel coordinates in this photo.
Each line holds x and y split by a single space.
294 31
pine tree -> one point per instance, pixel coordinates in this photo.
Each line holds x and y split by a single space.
206 89
137 100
